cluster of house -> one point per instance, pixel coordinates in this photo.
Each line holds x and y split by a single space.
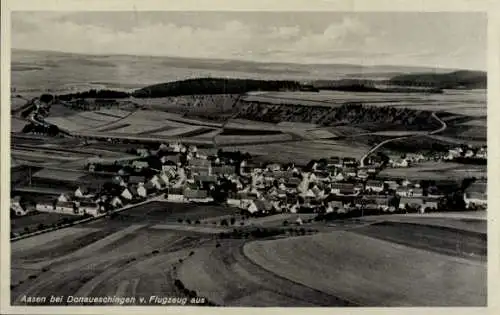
407 161
469 153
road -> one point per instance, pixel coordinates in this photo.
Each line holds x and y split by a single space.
376 147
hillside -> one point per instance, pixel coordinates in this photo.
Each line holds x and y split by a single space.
366 117
454 80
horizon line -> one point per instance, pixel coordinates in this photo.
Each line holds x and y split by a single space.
427 67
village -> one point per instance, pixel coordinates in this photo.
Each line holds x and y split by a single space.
182 174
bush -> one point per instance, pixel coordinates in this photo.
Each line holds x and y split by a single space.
285 223
233 221
223 222
197 222
155 252
188 221
180 220
217 245
242 223
191 253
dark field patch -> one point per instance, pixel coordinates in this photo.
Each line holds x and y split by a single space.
158 212
65 247
248 132
111 128
33 221
444 240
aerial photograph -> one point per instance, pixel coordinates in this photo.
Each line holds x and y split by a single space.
248 159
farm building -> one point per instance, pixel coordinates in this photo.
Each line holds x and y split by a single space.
126 194
475 196
414 203
15 205
116 202
88 208
409 192
342 189
142 191
206 178
374 186
224 169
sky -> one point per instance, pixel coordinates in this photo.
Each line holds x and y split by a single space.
441 39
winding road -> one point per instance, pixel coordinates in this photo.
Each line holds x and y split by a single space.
376 147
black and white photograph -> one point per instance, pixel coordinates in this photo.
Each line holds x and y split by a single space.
248 158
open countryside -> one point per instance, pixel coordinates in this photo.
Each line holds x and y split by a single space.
246 184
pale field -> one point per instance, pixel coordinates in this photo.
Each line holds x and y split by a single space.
437 171
373 272
234 140
302 151
177 132
470 103
227 277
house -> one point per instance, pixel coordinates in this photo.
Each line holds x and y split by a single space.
158 182
371 170
475 196
335 206
274 167
15 205
358 188
334 161
205 178
118 180
469 154
142 191
82 192
252 207
127 194
374 186
91 208
66 208
263 206
195 194
406 183
135 180
400 163
391 184
45 206
63 198
116 202
413 203
339 177
175 195
342 189
363 174
139 165
349 162
350 172
224 170
409 192
429 205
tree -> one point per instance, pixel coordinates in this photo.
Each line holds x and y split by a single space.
223 222
233 221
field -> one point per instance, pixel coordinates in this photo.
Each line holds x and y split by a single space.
31 222
301 152
469 103
144 250
355 267
437 171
